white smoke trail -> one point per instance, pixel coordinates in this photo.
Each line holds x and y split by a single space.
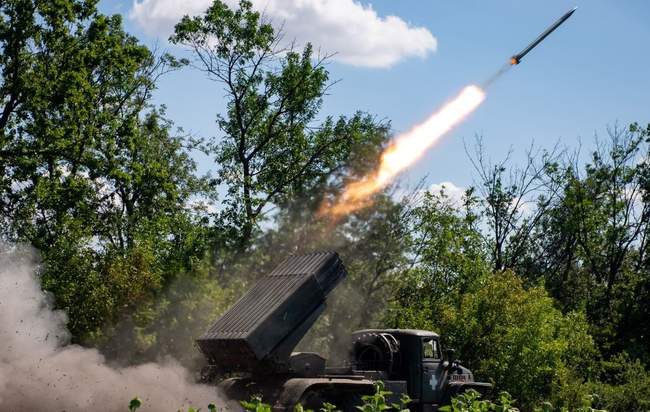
40 371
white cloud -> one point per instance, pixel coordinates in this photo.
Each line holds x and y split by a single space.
158 17
354 31
454 193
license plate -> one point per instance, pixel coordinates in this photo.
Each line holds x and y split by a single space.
460 378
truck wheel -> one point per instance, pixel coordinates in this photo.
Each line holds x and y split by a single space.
312 400
350 402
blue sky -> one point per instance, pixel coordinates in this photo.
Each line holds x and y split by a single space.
594 71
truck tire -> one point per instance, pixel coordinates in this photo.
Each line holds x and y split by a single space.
350 402
312 400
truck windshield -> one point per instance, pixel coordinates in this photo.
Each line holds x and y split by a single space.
430 349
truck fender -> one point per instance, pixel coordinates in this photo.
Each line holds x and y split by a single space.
295 389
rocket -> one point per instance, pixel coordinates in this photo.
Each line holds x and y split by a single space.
517 57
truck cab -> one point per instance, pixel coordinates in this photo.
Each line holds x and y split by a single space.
416 358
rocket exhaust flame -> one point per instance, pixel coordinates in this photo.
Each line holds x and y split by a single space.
406 150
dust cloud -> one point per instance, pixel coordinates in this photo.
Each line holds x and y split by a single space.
39 370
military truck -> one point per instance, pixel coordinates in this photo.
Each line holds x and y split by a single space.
253 344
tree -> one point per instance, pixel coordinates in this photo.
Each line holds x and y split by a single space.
624 385
271 149
593 240
91 174
448 259
513 201
608 218
450 249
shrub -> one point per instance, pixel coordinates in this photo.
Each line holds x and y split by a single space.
624 385
516 338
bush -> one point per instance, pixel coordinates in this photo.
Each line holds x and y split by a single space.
471 401
378 402
624 385
514 337
520 340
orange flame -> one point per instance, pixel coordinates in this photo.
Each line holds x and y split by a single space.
406 150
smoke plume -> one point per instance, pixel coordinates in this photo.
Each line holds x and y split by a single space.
39 370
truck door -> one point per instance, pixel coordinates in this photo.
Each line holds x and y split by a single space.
431 370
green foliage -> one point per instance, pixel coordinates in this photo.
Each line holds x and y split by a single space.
519 339
270 151
91 173
327 407
513 336
135 404
257 405
593 248
168 325
586 405
624 385
299 408
450 258
274 156
470 401
584 244
378 401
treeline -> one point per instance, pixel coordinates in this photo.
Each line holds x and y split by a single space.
539 276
